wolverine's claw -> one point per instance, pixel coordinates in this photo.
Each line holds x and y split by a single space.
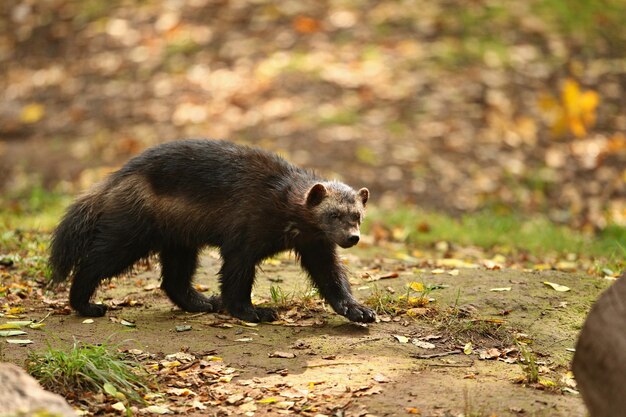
356 312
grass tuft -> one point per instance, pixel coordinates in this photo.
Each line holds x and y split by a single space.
504 232
89 367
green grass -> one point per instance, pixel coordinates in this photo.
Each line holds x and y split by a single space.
34 209
279 297
586 21
384 302
89 367
503 232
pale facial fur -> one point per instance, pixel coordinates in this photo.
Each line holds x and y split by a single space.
339 211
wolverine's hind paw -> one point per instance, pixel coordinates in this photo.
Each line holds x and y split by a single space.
254 314
201 304
92 310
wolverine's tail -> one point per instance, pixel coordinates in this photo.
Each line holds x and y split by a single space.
71 239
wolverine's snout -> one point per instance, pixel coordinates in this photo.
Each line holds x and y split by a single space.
349 241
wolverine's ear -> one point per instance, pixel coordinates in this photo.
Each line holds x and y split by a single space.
364 193
315 195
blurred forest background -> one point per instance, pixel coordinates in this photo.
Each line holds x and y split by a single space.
451 105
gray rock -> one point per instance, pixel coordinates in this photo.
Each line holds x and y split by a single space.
600 359
21 395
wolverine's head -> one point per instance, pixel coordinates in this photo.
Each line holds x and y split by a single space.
338 211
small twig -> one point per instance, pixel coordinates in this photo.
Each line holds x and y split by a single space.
451 365
437 355
358 342
319 365
45 317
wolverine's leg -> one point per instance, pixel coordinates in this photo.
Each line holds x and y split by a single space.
320 260
236 278
177 268
106 258
118 242
84 285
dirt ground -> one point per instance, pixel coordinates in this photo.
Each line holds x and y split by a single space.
340 368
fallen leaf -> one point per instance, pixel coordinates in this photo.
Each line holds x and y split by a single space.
557 287
455 263
119 406
157 409
285 405
249 407
180 356
19 341
491 265
305 24
417 312
181 392
492 353
10 333
110 389
32 113
567 266
269 400
416 286
293 393
422 344
401 339
285 355
19 323
380 378
198 405
88 321
467 349
500 289
367 391
389 276
235 398
170 364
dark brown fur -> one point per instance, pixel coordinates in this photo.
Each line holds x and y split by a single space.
177 198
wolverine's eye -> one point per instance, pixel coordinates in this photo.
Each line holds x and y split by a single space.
356 218
335 215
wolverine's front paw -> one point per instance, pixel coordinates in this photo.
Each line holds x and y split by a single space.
356 312
91 310
253 314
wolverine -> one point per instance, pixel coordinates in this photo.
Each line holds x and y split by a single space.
176 198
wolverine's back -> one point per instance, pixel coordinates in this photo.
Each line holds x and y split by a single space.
201 191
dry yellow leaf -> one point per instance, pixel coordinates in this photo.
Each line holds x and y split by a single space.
556 287
574 111
32 113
